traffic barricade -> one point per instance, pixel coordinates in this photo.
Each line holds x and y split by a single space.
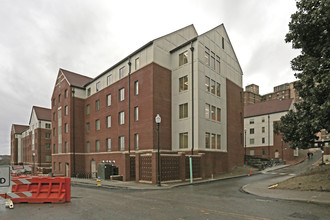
42 189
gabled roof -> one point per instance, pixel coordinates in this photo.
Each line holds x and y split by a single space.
19 129
42 113
269 107
137 51
75 79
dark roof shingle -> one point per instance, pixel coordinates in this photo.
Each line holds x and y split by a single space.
20 128
268 107
42 113
76 79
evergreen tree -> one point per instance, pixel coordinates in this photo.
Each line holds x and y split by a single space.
309 32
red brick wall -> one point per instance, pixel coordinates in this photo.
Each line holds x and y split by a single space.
154 97
40 147
13 149
162 105
235 125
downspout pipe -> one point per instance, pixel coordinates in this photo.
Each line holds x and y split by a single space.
73 134
192 98
129 105
39 145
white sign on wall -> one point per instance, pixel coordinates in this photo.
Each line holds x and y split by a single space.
4 176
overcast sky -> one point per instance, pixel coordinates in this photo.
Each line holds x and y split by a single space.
87 37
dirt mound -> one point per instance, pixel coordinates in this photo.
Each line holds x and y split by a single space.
316 178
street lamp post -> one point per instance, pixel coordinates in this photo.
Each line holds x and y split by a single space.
158 119
244 145
322 151
282 150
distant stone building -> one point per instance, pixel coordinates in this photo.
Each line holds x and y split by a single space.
31 144
284 91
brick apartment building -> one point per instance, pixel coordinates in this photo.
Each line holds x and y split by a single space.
194 82
31 144
259 120
284 91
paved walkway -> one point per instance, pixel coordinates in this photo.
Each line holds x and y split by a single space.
259 188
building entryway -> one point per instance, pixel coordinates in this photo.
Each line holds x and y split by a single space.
93 168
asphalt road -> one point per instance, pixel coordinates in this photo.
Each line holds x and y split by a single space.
217 200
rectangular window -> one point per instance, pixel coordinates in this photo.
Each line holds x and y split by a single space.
66 128
207 56
262 119
66 110
136 113
251 121
47 135
183 110
207 140
252 141
47 146
212 60
213 87
218 89
88 147
54 149
88 126
97 105
108 99
66 93
213 112
252 152
88 109
54 116
183 83
183 58
97 124
263 129
60 148
121 118
108 144
59 98
219 114
218 141
121 143
54 102
122 72
207 111
54 132
183 140
213 141
263 140
98 86
109 80
59 166
137 63
66 147
97 146
88 91
136 87
251 130
109 121
54 166
136 141
217 64
223 43
121 94
207 84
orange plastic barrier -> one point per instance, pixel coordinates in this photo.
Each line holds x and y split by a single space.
43 189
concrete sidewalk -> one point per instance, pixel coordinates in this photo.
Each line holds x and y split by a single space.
261 189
